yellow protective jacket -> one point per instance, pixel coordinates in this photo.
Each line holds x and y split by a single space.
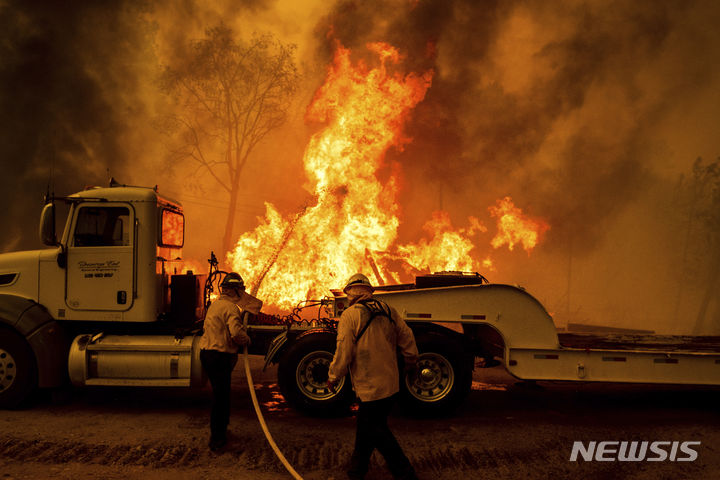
223 328
372 360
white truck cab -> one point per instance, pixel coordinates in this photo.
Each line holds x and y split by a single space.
116 245
111 263
111 266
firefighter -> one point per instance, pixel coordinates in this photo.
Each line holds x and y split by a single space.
370 333
223 335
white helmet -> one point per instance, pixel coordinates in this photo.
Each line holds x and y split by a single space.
358 279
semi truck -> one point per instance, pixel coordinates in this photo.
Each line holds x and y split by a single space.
106 305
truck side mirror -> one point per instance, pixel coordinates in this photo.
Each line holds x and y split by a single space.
47 225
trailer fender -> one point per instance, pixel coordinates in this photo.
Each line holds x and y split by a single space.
45 337
277 344
518 317
280 343
432 328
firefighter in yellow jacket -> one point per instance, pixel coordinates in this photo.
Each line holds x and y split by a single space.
370 333
223 335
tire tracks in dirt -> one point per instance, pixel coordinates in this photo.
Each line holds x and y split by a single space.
548 460
246 452
47 452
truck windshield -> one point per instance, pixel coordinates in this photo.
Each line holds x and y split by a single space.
102 226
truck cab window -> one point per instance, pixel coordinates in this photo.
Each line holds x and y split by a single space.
173 229
102 227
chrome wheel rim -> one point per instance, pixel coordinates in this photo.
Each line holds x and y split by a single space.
8 370
434 380
312 374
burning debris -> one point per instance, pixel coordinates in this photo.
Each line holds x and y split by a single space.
354 224
365 109
514 227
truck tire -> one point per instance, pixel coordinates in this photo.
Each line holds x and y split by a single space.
443 379
18 372
303 374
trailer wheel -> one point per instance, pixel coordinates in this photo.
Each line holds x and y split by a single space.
303 374
443 379
18 372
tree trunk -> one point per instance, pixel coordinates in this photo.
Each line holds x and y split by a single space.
228 238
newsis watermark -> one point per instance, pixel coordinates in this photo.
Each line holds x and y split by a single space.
635 451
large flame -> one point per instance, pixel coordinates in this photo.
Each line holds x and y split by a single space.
364 109
353 221
514 227
448 248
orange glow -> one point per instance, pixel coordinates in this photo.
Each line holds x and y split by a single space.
488 264
514 227
353 222
364 110
184 266
447 250
173 225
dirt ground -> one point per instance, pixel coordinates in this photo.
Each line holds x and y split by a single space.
503 430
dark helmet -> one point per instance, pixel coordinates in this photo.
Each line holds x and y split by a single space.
233 280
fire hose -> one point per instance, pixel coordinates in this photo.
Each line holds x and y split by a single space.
258 412
214 271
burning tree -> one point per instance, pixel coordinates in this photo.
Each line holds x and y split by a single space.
229 94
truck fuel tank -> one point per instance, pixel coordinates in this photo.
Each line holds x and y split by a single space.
135 360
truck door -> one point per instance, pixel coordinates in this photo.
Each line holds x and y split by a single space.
101 258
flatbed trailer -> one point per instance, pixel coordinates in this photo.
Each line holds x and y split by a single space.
532 349
458 318
104 305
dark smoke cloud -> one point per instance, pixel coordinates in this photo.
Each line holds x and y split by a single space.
475 133
78 92
583 112
67 77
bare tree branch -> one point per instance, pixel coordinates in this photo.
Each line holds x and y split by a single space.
230 95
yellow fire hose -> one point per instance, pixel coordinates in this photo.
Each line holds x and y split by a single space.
251 387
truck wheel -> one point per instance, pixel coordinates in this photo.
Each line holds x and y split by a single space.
18 373
303 374
443 379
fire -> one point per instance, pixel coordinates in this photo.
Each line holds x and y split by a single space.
514 227
488 264
455 246
352 222
364 109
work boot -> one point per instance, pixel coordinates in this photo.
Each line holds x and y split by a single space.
217 443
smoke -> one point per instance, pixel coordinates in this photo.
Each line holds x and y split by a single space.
581 111
80 97
553 104
584 112
69 96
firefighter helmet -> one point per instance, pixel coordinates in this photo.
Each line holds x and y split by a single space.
358 280
233 280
